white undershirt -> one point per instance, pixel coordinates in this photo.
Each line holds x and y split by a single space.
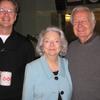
4 37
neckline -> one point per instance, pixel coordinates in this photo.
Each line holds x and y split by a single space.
55 72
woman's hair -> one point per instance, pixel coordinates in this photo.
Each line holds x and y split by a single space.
64 42
82 8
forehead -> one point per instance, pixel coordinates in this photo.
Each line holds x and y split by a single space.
51 34
81 14
6 4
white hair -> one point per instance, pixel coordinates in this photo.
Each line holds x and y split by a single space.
82 8
64 42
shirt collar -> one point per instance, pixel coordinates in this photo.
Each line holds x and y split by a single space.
45 67
90 39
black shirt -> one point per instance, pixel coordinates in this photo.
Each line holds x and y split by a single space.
14 54
59 95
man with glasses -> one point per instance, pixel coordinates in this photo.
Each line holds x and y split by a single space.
15 52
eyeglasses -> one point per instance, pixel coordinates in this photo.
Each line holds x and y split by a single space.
8 11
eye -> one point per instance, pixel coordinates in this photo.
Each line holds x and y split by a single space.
84 22
57 41
1 10
46 41
8 11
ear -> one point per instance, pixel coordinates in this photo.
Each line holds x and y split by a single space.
15 16
94 23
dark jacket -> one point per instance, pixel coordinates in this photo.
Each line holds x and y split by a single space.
14 54
84 66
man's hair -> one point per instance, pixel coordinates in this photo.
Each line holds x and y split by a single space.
82 8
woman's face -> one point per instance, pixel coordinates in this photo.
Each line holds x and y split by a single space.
51 44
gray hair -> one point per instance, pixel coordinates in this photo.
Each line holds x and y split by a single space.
64 42
82 8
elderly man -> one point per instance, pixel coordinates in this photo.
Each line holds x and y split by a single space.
84 56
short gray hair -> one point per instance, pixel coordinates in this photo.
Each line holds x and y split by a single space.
82 8
64 42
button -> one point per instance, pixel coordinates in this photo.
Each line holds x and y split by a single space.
62 92
2 50
56 78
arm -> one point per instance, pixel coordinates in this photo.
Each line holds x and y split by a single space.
28 84
30 51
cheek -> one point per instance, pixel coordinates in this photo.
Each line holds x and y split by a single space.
88 29
45 46
91 27
14 17
59 48
75 31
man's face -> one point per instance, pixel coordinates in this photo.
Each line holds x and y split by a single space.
7 14
83 25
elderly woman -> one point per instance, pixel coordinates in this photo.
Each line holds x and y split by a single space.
48 77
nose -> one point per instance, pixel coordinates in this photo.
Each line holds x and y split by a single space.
51 43
80 24
5 13
80 27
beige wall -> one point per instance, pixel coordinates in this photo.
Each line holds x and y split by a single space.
35 15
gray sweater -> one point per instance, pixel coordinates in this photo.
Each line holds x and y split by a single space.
84 66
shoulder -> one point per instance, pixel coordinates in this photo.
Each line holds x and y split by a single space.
22 40
34 65
32 70
74 42
98 37
64 64
18 36
73 45
64 61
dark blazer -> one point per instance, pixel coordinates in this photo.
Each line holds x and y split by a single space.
14 54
